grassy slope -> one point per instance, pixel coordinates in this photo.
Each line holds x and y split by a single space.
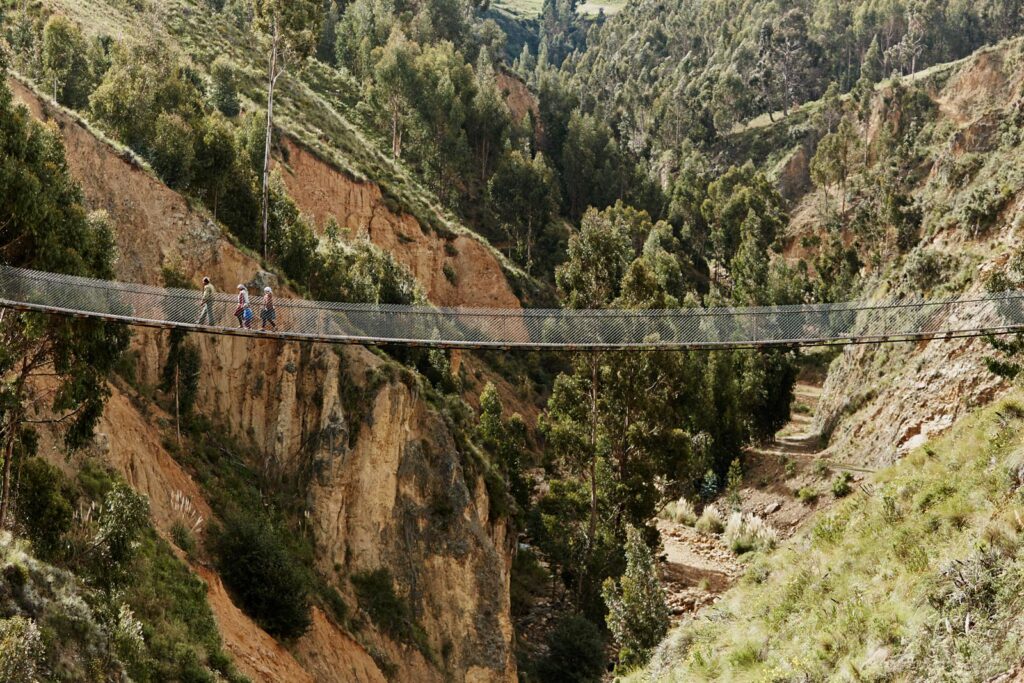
317 105
919 576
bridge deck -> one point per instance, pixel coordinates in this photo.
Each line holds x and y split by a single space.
371 324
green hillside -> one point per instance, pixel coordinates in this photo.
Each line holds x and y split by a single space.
918 575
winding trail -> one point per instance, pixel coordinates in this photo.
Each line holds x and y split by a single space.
696 568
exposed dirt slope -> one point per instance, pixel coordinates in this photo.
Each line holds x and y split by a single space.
880 402
473 278
376 503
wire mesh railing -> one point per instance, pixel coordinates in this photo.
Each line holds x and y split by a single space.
353 323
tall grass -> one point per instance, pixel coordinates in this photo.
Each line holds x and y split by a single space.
918 575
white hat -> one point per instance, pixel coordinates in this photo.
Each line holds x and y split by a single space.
266 289
241 287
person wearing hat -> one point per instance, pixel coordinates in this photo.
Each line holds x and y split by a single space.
268 315
206 305
243 312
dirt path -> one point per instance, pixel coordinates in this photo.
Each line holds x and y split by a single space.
696 567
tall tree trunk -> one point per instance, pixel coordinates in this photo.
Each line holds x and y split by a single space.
592 531
271 82
5 494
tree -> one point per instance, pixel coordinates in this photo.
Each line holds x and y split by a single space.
224 93
395 85
215 168
749 267
292 28
123 518
505 440
144 83
64 62
788 59
731 198
575 652
637 614
43 508
254 561
489 120
833 162
47 228
523 194
594 171
173 150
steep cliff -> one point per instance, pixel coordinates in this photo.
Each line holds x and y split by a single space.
880 402
393 489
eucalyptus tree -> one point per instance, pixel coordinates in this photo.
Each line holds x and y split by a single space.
59 365
292 28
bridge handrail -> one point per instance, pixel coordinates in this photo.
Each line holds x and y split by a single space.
363 323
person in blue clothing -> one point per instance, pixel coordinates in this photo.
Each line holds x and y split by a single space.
243 311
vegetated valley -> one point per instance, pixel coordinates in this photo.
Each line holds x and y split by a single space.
187 507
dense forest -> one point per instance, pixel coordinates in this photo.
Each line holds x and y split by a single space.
631 183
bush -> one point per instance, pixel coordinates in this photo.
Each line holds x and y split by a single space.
21 649
841 485
575 653
376 594
42 508
746 532
711 521
256 566
680 511
183 538
807 495
173 146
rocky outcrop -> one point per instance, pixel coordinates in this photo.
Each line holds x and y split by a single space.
392 489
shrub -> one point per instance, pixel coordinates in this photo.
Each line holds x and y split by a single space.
709 486
376 594
746 532
21 649
711 521
256 566
821 468
43 510
575 653
183 538
680 511
807 495
789 467
841 485
734 480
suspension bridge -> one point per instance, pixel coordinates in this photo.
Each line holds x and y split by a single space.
892 320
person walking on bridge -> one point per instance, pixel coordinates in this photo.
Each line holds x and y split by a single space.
206 305
243 312
268 315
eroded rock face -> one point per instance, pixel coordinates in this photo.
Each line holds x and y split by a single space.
880 402
909 396
474 276
390 488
